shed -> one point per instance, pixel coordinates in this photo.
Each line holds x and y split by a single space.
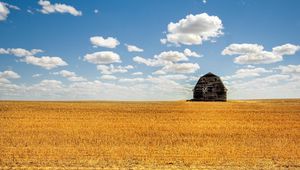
210 88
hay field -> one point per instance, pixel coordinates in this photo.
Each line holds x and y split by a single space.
151 135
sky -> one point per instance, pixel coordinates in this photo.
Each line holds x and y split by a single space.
147 50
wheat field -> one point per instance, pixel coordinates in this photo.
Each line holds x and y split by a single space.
253 134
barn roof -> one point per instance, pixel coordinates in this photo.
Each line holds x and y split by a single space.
209 74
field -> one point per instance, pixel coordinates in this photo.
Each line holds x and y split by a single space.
262 134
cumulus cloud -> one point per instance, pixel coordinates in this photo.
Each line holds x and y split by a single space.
29 58
247 72
190 53
71 76
255 54
20 52
173 56
133 48
159 72
181 68
286 49
290 69
109 42
111 69
50 83
150 62
194 29
132 80
124 89
166 58
108 77
103 57
8 74
4 10
242 49
45 61
48 8
174 76
271 86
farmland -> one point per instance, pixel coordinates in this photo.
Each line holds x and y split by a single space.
161 135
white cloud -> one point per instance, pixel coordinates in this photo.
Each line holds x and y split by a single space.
4 10
194 78
242 49
169 62
132 80
263 57
8 74
69 75
28 57
149 88
47 88
150 62
159 72
194 29
247 72
251 72
138 89
163 41
166 58
133 48
290 69
190 53
112 69
286 49
272 86
174 77
109 42
20 52
204 1
48 8
50 83
103 57
45 61
108 77
264 81
173 56
137 73
255 54
3 51
181 68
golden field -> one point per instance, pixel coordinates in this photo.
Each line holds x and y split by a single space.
254 134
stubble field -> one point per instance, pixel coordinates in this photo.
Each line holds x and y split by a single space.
150 135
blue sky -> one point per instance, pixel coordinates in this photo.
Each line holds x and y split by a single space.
147 50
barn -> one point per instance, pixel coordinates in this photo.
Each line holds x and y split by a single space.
209 88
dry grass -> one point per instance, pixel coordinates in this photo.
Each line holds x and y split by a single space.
160 135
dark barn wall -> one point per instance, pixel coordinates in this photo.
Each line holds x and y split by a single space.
210 88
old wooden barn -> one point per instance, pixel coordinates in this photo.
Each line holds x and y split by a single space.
210 88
